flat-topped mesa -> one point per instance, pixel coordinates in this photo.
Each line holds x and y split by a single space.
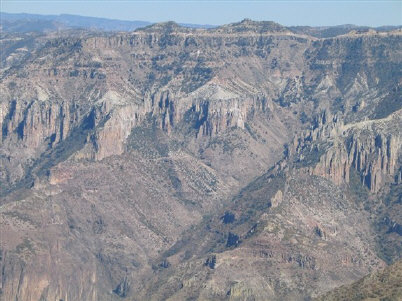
245 26
166 27
251 26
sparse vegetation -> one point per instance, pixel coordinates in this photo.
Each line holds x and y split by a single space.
384 285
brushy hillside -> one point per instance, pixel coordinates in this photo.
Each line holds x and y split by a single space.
384 285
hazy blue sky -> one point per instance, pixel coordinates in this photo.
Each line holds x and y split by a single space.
294 12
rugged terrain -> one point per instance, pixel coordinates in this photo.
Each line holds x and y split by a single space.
381 285
246 162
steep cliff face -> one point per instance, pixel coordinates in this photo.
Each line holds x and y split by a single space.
36 122
175 73
28 129
114 145
371 148
112 83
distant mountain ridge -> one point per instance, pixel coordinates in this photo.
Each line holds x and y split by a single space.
24 22
333 31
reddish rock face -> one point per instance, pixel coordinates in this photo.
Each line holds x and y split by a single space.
370 147
120 154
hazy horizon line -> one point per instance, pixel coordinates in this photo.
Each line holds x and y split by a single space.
200 24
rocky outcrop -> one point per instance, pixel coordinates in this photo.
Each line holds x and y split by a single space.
371 148
208 111
35 122
130 75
